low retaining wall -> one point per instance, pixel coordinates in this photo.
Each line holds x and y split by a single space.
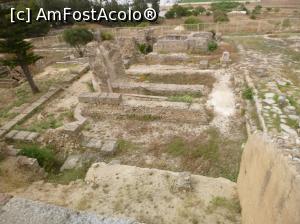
268 183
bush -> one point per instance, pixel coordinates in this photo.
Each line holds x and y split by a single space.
257 10
212 46
145 48
198 10
224 6
248 94
78 38
269 9
192 20
253 16
208 13
220 16
44 156
178 11
107 36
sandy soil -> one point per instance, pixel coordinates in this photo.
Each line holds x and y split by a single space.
222 100
148 195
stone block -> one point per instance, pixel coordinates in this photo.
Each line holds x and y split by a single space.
32 136
84 69
89 97
183 182
203 64
110 98
21 135
73 161
94 143
11 134
74 127
109 147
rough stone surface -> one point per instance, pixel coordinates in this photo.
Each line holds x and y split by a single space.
73 161
23 211
183 182
106 64
110 98
192 43
268 184
22 135
203 64
93 143
109 147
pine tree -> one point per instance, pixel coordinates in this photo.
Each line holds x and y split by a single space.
18 51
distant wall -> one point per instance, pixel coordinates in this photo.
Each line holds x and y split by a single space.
281 2
268 184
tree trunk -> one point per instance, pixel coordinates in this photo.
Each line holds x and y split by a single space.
29 78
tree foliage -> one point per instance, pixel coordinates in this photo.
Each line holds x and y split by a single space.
18 51
78 38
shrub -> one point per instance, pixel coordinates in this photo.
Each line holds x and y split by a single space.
178 11
170 14
44 156
198 10
269 9
78 38
248 94
107 36
192 20
145 48
253 16
212 46
208 13
220 16
224 6
257 10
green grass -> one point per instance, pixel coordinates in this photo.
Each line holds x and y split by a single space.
181 98
208 154
50 122
232 207
44 155
125 145
248 93
276 122
90 86
67 176
177 147
292 123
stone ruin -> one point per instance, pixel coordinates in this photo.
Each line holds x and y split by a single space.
193 43
106 64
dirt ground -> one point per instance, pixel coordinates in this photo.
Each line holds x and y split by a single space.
148 195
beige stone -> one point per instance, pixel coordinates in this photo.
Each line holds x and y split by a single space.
268 185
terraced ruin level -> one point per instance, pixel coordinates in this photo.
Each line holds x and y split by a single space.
179 135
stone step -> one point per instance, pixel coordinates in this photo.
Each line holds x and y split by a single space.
16 135
105 147
159 88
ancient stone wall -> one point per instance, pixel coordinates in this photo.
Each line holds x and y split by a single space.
192 43
268 183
